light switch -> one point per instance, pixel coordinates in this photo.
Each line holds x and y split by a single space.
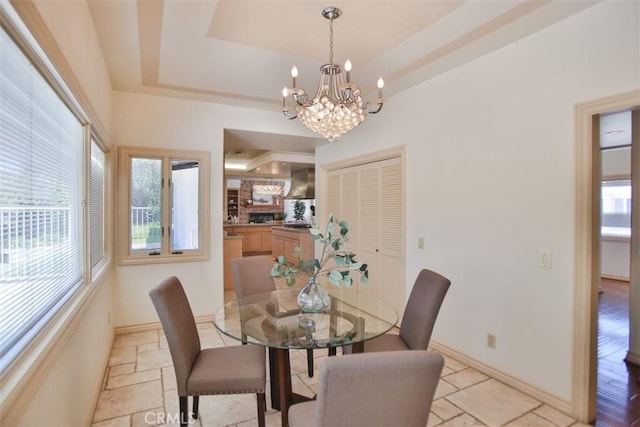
420 242
544 258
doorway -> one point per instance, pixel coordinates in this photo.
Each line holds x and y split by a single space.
587 249
617 387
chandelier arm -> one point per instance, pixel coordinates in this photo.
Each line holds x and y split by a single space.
285 112
380 103
301 99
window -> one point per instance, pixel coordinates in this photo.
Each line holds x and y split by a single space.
96 203
616 208
164 205
41 188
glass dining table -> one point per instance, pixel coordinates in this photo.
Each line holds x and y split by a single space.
273 320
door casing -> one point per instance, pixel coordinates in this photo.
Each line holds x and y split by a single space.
587 248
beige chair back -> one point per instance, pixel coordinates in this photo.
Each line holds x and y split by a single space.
179 326
422 309
394 388
251 275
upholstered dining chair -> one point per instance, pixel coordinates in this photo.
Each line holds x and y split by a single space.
419 317
225 370
372 389
251 276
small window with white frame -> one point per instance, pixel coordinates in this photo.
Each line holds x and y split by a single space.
164 205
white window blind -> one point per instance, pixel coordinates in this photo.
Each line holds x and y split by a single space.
41 158
96 204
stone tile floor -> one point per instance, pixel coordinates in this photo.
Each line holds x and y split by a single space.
139 390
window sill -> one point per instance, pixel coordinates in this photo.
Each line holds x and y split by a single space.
161 259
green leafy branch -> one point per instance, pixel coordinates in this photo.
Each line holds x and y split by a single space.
335 263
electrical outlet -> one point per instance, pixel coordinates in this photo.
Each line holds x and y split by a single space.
491 341
420 242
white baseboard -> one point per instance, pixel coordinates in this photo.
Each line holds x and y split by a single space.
614 277
530 390
119 330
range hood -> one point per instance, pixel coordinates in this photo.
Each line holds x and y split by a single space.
303 184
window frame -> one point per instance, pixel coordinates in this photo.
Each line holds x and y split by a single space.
94 269
25 370
128 257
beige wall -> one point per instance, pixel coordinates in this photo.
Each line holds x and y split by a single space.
491 181
82 53
616 162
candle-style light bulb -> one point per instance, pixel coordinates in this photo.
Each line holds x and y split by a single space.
380 86
347 68
294 74
285 92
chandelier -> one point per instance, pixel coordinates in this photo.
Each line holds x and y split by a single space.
337 106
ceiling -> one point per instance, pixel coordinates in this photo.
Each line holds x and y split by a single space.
240 52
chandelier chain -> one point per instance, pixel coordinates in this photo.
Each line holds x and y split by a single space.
331 41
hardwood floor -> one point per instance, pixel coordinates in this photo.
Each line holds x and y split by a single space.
618 402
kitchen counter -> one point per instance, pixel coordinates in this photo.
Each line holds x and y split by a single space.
291 229
262 224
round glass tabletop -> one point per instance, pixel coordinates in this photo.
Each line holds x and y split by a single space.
272 319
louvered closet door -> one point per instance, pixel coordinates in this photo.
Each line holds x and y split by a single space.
391 282
370 198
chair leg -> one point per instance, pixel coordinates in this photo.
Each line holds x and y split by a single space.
310 362
184 411
196 401
262 405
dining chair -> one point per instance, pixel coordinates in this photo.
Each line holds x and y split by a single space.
372 389
419 317
251 275
224 370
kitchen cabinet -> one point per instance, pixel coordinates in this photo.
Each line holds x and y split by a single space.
232 249
286 239
267 240
256 239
